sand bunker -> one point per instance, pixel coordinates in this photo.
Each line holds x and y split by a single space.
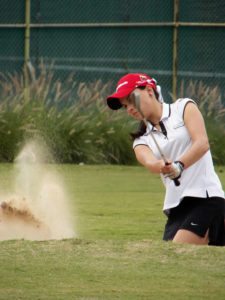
38 208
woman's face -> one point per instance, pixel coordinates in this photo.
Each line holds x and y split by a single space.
130 108
145 104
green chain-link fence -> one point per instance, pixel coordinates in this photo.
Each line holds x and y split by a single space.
170 40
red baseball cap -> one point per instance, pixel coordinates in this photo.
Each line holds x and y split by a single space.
128 84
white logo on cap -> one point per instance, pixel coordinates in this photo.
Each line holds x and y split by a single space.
120 85
143 77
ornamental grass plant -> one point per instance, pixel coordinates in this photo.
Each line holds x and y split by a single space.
70 118
73 121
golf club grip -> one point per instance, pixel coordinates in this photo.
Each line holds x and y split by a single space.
176 180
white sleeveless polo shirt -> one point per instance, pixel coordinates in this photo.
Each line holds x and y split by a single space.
197 180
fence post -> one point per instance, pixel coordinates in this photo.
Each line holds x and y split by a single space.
26 49
175 47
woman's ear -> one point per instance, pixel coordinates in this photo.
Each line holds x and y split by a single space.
150 90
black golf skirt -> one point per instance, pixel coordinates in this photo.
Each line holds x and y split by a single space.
198 215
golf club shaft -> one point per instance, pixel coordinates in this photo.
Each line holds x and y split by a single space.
136 102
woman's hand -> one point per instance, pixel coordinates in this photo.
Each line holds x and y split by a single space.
173 170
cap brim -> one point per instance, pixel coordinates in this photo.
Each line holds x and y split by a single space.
114 103
113 100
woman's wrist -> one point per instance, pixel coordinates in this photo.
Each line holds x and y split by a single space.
181 163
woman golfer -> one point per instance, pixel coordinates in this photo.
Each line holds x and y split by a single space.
195 204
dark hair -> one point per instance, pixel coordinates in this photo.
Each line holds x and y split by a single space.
141 127
139 132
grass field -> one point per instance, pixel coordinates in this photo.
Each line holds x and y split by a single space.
118 252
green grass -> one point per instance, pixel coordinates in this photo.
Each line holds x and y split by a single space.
118 253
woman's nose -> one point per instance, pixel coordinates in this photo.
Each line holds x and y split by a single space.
130 109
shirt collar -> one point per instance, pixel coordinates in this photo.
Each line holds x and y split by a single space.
165 111
150 128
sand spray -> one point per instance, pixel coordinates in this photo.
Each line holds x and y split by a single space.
39 207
